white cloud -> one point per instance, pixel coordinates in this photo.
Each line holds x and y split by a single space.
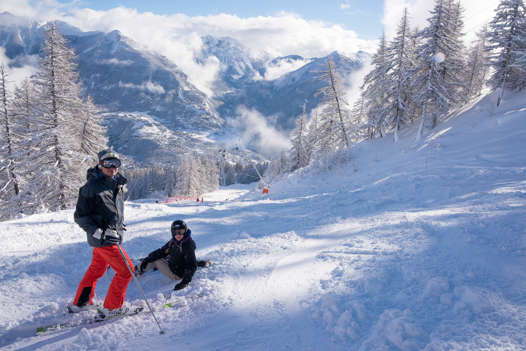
145 86
356 80
276 70
45 10
19 8
4 60
178 36
477 13
15 75
256 133
114 61
345 5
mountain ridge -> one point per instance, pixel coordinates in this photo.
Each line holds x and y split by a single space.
125 79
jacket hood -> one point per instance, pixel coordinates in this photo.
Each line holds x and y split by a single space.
187 235
93 173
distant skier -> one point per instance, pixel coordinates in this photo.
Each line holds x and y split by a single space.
176 259
100 213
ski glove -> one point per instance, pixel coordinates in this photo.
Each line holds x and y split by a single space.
180 286
97 234
143 265
111 237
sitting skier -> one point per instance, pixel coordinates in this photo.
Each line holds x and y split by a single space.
176 259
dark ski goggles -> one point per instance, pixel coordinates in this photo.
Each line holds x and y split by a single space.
111 162
178 231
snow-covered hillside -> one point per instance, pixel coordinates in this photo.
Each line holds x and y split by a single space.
410 246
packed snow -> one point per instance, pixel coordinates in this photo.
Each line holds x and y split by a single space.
415 245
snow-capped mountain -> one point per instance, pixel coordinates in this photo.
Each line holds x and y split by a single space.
277 88
122 78
132 85
237 67
283 98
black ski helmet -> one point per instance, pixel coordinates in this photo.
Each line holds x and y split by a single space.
178 224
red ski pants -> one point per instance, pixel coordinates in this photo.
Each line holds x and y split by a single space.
102 258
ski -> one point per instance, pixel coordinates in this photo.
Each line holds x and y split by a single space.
101 317
171 301
88 321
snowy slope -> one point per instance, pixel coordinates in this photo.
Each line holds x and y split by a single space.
410 246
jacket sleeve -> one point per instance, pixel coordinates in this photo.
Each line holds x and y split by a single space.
159 253
84 210
190 263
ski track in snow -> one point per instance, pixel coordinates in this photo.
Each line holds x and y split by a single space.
411 246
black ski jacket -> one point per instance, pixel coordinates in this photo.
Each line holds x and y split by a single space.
100 205
181 256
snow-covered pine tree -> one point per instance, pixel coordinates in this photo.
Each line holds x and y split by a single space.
507 46
277 167
24 111
229 174
398 58
477 67
374 90
360 124
454 65
211 174
434 92
150 181
92 136
206 174
25 128
9 180
171 181
193 175
298 153
414 110
332 123
356 123
7 148
57 162
135 180
187 179
222 165
150 184
312 135
283 162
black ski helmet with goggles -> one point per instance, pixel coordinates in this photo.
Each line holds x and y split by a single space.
177 226
109 158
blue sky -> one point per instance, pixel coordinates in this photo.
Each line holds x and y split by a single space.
362 16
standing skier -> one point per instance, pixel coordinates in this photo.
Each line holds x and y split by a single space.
176 259
100 213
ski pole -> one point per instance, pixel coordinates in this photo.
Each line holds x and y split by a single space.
140 289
